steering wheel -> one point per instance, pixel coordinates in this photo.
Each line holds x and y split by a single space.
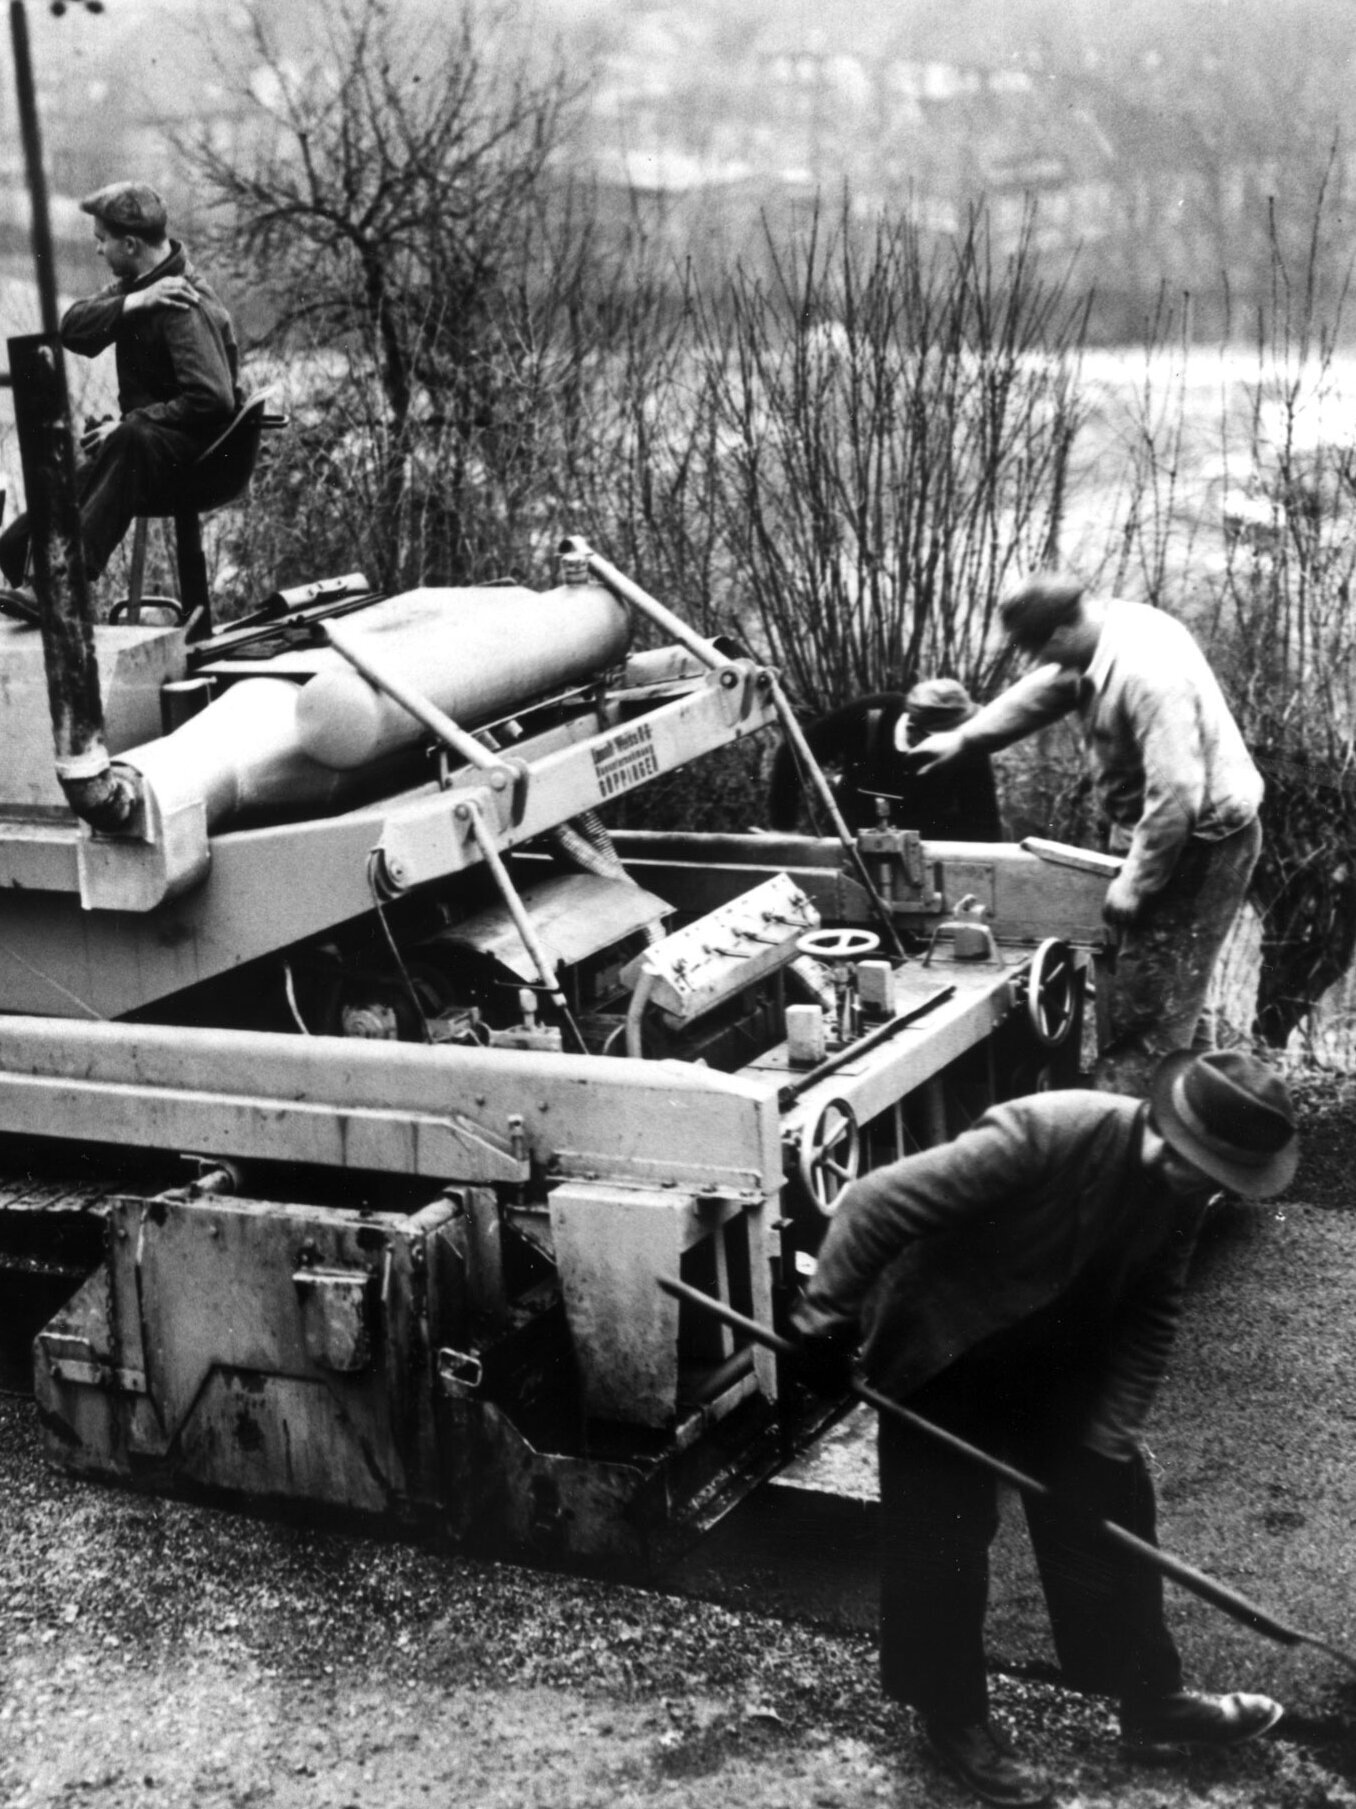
830 1155
1051 994
838 945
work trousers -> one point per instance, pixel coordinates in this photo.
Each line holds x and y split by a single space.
1152 988
137 470
939 1516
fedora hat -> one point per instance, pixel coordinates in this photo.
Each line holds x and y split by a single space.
1230 1115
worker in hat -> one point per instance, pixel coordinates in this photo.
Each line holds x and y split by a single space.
1177 785
1020 1286
859 740
177 365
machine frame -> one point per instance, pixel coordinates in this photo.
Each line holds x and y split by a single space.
415 1280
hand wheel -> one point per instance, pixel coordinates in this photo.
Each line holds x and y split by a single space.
838 945
830 1155
1051 992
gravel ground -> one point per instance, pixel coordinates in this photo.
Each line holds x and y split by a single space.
159 1653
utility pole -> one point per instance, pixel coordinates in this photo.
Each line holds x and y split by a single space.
42 413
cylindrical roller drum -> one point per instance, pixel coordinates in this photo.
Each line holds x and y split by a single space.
239 754
475 654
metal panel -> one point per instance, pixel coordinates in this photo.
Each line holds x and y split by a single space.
725 952
425 839
336 1314
133 664
456 1115
284 1438
917 1054
40 856
1032 897
280 1350
610 1244
272 887
261 1127
574 914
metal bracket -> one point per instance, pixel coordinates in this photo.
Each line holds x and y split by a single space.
74 1360
459 1371
904 876
502 787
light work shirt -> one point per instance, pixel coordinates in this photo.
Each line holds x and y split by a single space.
1167 756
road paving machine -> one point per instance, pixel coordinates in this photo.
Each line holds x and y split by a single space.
357 1083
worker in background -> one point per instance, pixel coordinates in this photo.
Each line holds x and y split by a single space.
177 365
1021 1286
860 741
1177 785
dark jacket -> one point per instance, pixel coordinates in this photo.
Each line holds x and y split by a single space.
1039 1219
956 804
177 367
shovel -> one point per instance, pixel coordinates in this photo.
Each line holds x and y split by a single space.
1229 1600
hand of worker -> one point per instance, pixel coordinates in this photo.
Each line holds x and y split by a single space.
823 1365
932 750
96 433
1122 903
169 292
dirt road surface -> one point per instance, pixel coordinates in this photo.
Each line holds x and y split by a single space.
157 1653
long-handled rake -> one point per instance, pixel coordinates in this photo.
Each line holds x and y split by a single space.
1229 1600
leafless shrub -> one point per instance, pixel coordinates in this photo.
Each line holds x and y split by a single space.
1274 614
840 454
890 420
381 204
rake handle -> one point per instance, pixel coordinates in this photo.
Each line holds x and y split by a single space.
1239 1607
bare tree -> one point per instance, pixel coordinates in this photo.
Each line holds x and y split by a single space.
380 196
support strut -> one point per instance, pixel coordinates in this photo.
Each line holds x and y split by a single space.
710 655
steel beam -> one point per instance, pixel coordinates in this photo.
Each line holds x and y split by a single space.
451 1114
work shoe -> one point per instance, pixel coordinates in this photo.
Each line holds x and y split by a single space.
985 1761
1165 1728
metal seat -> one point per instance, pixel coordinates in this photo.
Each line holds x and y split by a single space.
220 475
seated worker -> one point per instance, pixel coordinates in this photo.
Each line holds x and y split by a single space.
177 366
858 742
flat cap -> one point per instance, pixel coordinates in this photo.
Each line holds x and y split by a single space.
1033 608
131 206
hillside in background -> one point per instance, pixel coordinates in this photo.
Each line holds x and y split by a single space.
1164 142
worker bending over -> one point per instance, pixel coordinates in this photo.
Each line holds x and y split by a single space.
1175 780
1020 1287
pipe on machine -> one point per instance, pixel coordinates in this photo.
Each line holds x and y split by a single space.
475 654
271 742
